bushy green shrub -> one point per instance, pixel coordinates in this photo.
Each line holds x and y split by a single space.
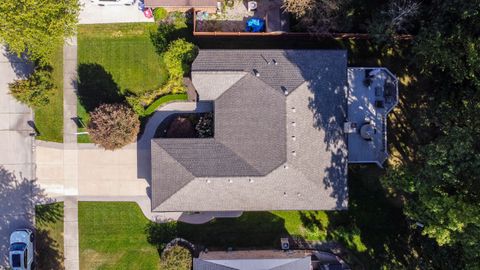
162 37
159 14
34 91
205 126
113 126
179 56
177 258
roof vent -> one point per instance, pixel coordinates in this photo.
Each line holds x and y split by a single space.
294 124
285 166
293 109
208 181
285 193
230 181
256 72
299 194
294 153
294 138
250 180
274 62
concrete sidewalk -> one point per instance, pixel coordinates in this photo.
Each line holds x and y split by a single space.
18 191
70 155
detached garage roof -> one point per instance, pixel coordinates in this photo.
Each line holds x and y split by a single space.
278 145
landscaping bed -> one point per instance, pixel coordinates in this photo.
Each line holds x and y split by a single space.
140 64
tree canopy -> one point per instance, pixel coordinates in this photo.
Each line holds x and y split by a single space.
33 26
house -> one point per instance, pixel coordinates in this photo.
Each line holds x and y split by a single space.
253 260
281 134
183 5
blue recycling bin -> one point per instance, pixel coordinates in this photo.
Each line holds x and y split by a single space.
255 25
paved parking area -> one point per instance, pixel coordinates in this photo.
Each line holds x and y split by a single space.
18 192
92 13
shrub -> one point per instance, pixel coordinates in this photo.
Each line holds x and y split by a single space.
179 56
177 258
162 37
36 90
113 126
160 14
159 234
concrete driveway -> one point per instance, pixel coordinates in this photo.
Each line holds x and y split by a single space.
18 192
92 14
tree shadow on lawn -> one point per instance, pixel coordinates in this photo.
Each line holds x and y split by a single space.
48 256
96 86
251 230
390 241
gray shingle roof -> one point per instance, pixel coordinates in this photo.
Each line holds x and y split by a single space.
270 151
250 120
253 264
275 67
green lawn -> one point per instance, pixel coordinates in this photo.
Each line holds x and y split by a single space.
114 60
112 236
49 119
111 233
124 51
49 236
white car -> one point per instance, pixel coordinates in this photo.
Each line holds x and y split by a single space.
113 2
21 250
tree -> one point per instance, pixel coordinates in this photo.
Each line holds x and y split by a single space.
317 16
34 91
35 27
442 189
113 126
162 37
396 19
177 258
448 43
179 56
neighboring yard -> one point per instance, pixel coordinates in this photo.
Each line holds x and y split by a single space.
112 236
49 236
49 119
123 53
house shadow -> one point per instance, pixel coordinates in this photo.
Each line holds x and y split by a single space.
18 197
96 86
252 230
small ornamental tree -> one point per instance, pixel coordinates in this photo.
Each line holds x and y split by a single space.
34 91
113 126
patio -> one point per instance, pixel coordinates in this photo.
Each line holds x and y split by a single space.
233 17
372 94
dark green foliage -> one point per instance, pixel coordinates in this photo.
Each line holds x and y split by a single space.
160 234
162 37
205 126
36 90
397 17
449 41
442 190
159 14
